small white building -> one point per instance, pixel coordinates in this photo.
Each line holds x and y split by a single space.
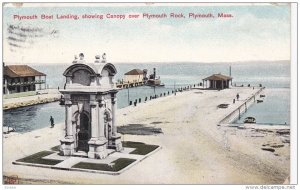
217 81
90 104
134 76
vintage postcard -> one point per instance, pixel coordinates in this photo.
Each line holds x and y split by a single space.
147 93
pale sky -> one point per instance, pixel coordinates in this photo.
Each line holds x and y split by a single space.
255 32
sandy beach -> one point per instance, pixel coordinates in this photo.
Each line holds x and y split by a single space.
195 149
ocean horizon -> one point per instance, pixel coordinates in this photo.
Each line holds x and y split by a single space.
163 62
174 76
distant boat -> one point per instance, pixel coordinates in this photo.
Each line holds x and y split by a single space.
259 101
154 80
249 120
262 96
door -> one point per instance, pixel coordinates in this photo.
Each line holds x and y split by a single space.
84 133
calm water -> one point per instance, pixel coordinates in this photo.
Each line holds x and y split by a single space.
275 108
33 117
273 76
270 75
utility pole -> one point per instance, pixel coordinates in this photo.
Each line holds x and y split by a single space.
128 94
175 87
230 74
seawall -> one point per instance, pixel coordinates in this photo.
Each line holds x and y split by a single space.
12 103
29 103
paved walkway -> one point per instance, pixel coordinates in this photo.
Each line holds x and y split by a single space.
68 163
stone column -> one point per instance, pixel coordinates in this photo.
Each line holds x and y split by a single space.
68 121
67 147
94 119
101 119
114 108
116 138
97 144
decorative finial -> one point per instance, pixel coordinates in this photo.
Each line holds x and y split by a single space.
75 59
81 56
104 58
97 57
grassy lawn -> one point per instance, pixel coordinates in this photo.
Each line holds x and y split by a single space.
37 158
141 148
115 166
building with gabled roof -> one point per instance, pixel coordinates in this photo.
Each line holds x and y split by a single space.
134 76
134 72
22 78
217 81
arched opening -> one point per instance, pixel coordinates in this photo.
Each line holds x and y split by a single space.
84 133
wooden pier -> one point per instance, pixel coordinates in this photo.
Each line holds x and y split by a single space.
130 84
236 113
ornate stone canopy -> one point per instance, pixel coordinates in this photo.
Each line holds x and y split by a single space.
90 103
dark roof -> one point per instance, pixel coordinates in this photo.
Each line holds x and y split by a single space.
135 72
21 71
218 77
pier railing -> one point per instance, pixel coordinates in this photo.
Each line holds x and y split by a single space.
236 113
130 84
25 83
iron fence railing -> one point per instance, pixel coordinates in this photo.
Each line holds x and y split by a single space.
25 83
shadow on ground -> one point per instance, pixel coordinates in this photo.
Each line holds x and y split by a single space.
139 129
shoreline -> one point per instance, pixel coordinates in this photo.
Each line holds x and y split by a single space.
231 123
50 95
195 149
